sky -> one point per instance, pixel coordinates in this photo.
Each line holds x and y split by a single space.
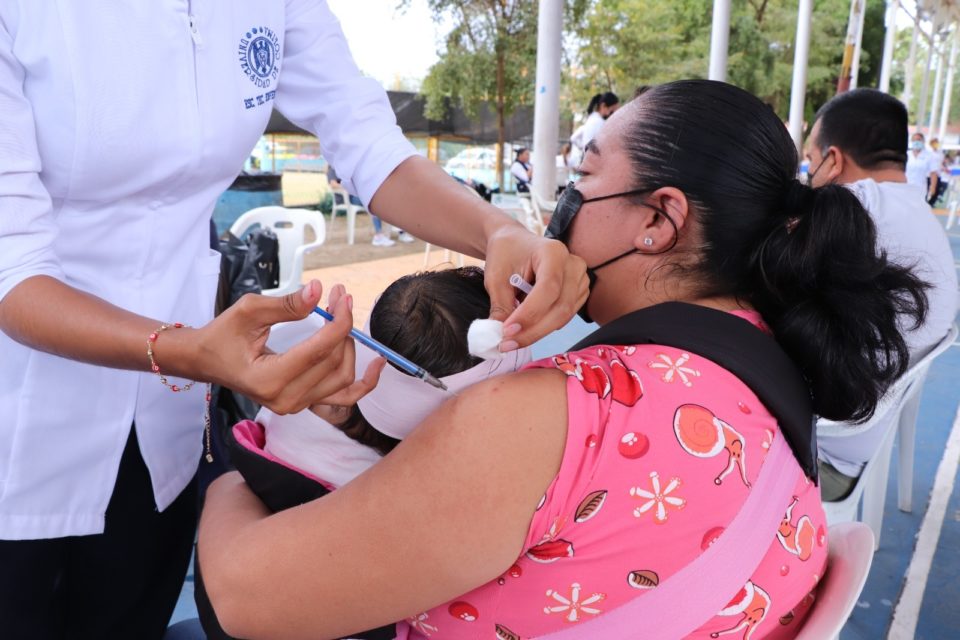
386 43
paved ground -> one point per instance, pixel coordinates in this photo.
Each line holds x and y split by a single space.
927 605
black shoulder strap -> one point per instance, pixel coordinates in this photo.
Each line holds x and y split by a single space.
737 346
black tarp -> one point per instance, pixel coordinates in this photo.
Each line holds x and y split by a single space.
409 110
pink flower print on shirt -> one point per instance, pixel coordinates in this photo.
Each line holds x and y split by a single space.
419 622
573 606
675 369
800 538
704 435
659 498
752 603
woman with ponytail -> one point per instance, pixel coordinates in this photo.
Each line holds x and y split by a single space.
658 480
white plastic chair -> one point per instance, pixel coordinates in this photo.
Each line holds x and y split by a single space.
531 216
904 399
289 225
342 204
848 564
544 208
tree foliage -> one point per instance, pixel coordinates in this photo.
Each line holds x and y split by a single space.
489 57
626 43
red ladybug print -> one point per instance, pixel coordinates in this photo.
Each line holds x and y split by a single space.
800 538
633 445
464 611
593 378
704 435
627 389
752 603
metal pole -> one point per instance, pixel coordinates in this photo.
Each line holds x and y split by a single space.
850 45
855 66
719 40
948 88
801 56
937 88
911 65
888 44
925 84
546 113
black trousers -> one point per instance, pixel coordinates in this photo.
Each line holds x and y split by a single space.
122 584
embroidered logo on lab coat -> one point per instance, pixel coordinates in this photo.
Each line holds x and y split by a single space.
259 56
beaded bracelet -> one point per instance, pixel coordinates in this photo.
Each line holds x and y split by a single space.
151 339
154 367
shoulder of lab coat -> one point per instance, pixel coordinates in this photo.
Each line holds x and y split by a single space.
27 227
322 90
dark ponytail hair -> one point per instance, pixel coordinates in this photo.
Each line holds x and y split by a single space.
806 259
594 103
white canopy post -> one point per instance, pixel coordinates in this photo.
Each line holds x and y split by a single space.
948 87
850 46
546 111
801 56
858 47
886 65
925 83
911 65
719 40
937 88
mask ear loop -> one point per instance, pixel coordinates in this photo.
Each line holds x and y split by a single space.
676 239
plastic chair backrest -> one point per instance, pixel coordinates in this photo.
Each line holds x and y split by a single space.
289 225
848 564
873 478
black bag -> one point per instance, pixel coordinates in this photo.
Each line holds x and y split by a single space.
264 256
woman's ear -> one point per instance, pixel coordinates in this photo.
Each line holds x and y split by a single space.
658 233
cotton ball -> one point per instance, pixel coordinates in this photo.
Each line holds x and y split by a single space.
483 339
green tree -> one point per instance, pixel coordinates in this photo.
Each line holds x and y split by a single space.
626 43
489 58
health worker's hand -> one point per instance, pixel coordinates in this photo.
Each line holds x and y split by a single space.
560 285
232 351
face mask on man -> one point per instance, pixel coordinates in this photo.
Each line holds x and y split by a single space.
917 145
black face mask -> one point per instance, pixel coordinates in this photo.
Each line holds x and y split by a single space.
568 205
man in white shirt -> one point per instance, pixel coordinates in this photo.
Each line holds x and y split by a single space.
858 140
923 167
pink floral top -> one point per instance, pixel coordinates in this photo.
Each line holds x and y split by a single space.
662 448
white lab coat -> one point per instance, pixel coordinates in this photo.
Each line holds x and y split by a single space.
122 122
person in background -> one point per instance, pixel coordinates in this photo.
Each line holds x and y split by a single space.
544 500
859 140
564 170
521 170
107 186
923 168
601 107
380 239
943 174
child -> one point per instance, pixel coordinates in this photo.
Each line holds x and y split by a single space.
292 459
